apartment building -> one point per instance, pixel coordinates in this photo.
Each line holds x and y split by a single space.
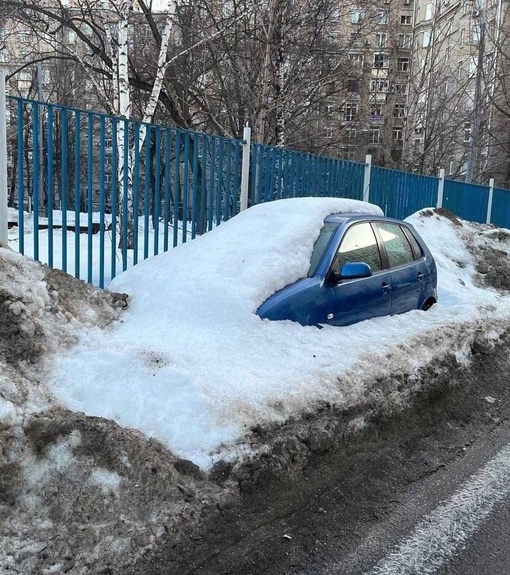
416 89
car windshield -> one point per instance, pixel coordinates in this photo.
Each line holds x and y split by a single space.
321 244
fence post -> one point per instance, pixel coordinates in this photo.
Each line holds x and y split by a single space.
4 233
245 167
489 203
440 189
366 179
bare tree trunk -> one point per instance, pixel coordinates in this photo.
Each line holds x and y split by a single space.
264 81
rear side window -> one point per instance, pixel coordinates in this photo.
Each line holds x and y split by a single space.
397 246
418 253
359 245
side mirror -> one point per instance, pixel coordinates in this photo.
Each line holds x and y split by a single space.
351 271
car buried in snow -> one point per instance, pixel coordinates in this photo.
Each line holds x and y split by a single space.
362 266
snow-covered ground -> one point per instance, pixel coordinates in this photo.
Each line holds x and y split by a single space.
189 363
193 366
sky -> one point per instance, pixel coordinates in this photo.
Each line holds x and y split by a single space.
191 364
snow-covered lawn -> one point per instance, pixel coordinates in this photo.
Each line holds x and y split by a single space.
193 366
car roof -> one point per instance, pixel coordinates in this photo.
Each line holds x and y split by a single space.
344 216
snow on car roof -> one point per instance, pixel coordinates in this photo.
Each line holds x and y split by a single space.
270 243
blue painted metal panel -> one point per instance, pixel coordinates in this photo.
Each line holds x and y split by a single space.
469 201
400 194
500 214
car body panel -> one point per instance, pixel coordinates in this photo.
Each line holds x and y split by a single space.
314 300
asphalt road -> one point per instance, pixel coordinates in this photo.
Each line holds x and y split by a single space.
425 492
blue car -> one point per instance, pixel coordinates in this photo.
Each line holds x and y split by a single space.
362 266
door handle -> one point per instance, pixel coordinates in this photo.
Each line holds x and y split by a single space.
420 276
385 287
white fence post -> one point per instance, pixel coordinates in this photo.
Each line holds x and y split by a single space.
440 189
245 167
489 203
4 232
366 179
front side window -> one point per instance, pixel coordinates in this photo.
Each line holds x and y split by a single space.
320 246
359 245
397 246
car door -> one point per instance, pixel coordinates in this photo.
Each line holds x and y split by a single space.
406 275
358 299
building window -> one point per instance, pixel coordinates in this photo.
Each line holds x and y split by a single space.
375 111
401 88
350 112
379 85
382 17
374 136
355 39
405 19
475 32
352 134
381 40
472 66
467 131
404 41
398 135
399 111
24 35
380 60
428 11
448 54
356 60
357 16
460 66
329 109
426 38
403 64
71 37
335 15
352 85
328 134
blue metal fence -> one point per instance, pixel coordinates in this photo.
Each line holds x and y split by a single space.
75 175
469 201
500 215
400 194
281 173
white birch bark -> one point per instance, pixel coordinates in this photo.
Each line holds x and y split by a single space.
121 89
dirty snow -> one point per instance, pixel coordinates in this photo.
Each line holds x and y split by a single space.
193 366
190 364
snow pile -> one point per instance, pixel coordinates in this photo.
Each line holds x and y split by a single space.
75 492
194 367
